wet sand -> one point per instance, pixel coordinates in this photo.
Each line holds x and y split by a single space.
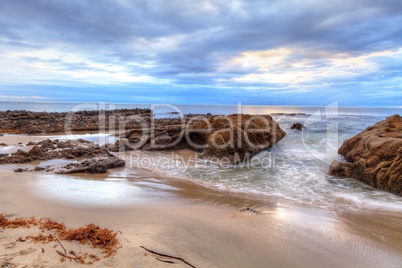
206 227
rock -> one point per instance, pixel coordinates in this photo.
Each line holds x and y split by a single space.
97 169
46 144
38 169
96 159
26 122
18 170
374 156
236 137
94 166
298 126
37 153
31 143
3 144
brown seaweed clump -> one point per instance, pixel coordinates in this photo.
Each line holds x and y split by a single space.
91 234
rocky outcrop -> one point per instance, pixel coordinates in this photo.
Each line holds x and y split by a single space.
25 122
91 158
161 134
234 138
92 166
374 156
298 126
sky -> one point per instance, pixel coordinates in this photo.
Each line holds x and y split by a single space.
258 52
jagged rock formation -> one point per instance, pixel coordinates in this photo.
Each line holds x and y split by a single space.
235 138
91 157
25 122
374 156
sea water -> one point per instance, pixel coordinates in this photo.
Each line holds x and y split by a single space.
296 169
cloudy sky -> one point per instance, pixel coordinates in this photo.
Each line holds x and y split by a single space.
264 52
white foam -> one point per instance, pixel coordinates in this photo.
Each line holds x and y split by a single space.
301 177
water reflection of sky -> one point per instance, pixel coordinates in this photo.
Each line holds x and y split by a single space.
98 138
93 192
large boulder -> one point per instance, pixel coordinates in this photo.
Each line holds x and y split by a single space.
165 136
374 156
235 137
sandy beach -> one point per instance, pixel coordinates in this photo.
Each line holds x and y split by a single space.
206 227
228 134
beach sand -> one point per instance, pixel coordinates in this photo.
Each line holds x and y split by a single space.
206 227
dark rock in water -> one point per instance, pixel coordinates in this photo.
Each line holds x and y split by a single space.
3 144
234 138
374 156
298 126
18 170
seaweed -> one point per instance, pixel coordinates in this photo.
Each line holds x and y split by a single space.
91 234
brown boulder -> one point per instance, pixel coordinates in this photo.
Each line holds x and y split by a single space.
236 137
374 156
298 126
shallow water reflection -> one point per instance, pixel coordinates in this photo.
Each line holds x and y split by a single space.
94 191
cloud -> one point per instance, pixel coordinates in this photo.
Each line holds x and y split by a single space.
281 46
295 67
17 97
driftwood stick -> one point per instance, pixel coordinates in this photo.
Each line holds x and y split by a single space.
159 259
65 251
168 256
64 255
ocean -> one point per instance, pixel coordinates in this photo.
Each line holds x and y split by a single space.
161 109
294 170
